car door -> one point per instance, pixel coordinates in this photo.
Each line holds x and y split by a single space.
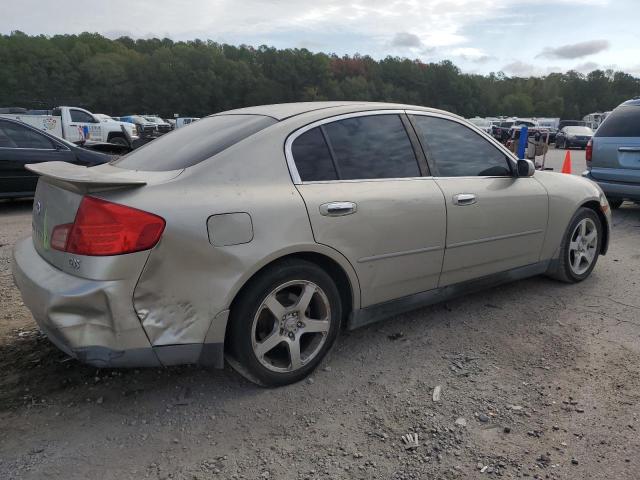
495 220
362 180
85 127
20 145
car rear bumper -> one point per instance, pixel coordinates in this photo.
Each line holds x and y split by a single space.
83 318
610 188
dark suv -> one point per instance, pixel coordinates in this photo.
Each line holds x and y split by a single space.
613 154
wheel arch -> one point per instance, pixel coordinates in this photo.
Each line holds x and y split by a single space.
340 271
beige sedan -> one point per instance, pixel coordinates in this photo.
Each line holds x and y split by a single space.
257 234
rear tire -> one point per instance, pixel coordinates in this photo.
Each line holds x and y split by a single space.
580 248
283 323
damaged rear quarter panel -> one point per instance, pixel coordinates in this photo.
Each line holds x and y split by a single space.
187 281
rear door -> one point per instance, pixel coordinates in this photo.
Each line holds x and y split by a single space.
495 221
616 146
362 180
20 145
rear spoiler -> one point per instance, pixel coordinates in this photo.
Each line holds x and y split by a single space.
103 175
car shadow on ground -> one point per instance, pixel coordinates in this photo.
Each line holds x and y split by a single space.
36 372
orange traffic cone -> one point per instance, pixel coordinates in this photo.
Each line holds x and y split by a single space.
566 166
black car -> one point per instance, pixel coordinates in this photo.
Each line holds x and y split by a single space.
573 136
21 144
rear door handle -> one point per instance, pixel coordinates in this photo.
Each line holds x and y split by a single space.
464 199
338 209
629 149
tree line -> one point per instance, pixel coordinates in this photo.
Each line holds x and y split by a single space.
196 78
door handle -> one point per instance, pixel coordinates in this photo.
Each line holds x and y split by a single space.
338 209
629 149
464 199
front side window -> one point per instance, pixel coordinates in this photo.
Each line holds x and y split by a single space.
81 117
17 136
458 151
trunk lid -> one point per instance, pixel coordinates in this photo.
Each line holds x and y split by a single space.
60 191
616 159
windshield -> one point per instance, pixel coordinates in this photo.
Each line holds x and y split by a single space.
185 147
579 130
155 119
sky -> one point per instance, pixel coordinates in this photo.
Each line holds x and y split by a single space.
517 37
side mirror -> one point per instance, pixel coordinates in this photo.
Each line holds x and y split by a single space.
526 168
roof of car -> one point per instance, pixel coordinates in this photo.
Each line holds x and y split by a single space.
281 111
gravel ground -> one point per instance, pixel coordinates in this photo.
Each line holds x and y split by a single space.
537 379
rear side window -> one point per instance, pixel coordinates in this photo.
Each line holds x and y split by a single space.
186 147
458 151
375 146
622 122
312 157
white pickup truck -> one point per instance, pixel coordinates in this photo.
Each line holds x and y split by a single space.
75 125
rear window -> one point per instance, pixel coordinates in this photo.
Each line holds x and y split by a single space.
186 147
622 122
579 130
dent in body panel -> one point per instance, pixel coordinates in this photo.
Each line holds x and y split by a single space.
187 281
77 311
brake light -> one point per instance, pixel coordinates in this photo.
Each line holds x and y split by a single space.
589 153
104 228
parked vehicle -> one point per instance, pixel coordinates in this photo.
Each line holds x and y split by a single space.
502 132
482 123
75 125
570 137
260 232
184 121
146 129
22 144
161 125
594 120
613 155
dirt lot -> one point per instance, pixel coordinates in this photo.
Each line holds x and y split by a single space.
538 379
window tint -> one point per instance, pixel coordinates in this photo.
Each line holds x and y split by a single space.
17 136
622 122
458 151
185 147
375 146
312 157
80 116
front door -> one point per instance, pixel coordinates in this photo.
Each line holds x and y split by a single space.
495 220
84 126
366 197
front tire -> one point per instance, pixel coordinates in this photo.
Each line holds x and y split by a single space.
283 323
580 248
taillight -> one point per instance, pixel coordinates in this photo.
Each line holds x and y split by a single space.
105 228
589 153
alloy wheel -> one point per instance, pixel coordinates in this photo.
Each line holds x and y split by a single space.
291 326
583 246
